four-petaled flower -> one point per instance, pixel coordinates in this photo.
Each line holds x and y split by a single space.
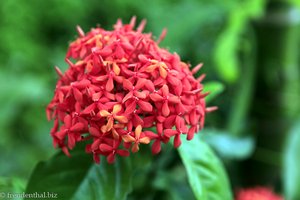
139 137
111 117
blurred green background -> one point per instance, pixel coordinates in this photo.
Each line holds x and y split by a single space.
250 46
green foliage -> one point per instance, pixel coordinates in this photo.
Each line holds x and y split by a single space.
174 182
228 146
79 177
205 171
229 42
12 185
291 172
214 88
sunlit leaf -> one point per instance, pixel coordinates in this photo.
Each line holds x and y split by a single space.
206 174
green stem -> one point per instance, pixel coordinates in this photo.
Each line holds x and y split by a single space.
242 99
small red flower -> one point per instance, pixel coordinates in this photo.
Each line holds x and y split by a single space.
136 139
118 84
257 193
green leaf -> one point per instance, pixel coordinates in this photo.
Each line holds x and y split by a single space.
291 170
12 185
174 182
230 40
206 174
79 178
214 88
228 146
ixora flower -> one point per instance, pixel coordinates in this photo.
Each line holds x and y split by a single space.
122 90
257 193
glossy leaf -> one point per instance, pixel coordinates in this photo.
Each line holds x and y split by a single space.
291 164
79 178
206 174
228 146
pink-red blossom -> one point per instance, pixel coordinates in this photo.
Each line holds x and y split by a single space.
122 90
257 193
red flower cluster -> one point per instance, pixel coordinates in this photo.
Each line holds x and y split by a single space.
257 193
119 88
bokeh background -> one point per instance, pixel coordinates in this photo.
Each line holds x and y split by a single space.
250 49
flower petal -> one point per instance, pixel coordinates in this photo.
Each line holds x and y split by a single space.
156 97
96 158
68 121
135 148
141 95
174 99
170 132
148 121
71 141
77 127
111 158
94 132
116 69
127 84
145 106
117 108
145 140
109 124
191 133
104 113
110 84
163 72
128 138
123 152
138 131
89 109
165 90
130 108
177 141
140 83
165 109
128 96
121 119
156 147
105 148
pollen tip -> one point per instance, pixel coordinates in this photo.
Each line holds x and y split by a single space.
204 94
132 21
57 70
162 36
200 78
69 62
197 68
80 31
141 26
211 109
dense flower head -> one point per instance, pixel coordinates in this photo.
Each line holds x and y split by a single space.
257 193
122 90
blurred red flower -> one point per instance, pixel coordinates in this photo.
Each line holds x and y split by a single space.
119 84
257 193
